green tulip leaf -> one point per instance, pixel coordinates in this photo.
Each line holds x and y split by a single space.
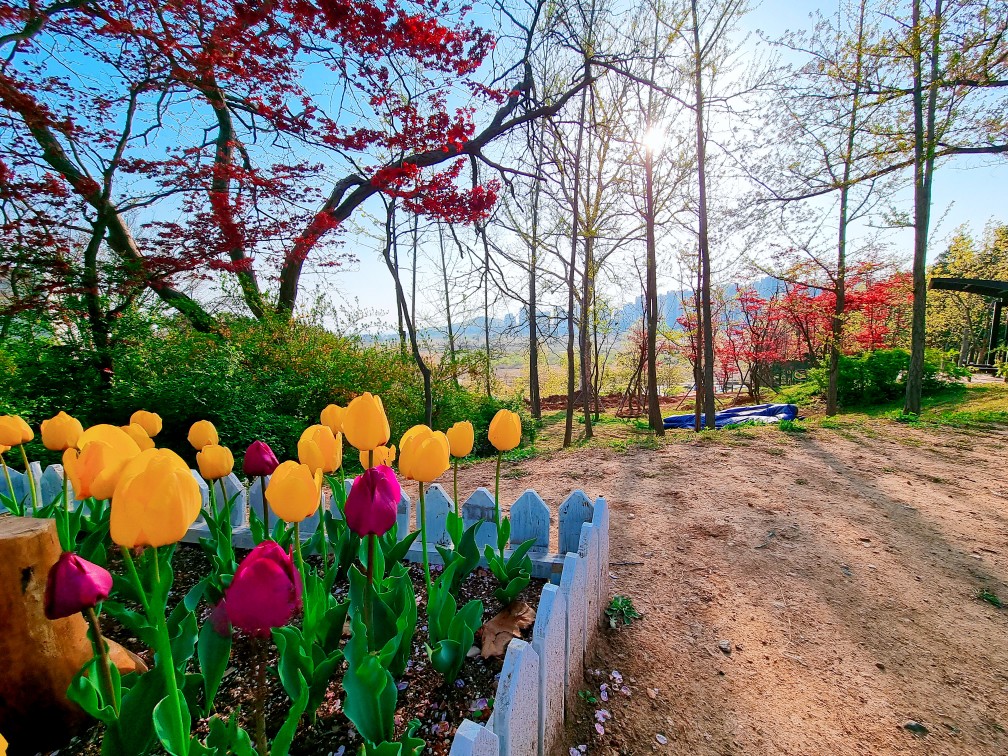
227 738
184 635
395 550
294 666
173 734
370 689
285 737
213 651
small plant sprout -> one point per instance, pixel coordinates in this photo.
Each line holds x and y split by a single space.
621 608
984 594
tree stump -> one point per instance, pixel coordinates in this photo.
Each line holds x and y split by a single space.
39 657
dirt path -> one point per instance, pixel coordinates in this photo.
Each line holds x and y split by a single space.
841 568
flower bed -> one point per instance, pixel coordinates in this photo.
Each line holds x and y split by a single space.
349 663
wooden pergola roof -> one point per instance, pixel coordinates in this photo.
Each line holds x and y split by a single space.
993 289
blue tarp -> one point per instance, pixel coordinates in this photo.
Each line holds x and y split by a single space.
758 413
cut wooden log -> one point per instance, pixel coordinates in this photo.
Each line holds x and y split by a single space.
39 657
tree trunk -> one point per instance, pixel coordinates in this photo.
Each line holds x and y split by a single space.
486 311
705 273
586 341
924 157
98 322
393 240
39 657
447 304
836 322
410 323
655 419
575 222
535 399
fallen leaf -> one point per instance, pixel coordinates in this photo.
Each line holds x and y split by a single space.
497 632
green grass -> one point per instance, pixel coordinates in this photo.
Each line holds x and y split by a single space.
791 426
800 393
965 406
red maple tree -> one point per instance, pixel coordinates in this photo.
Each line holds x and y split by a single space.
229 136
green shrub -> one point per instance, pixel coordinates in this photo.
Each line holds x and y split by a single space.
263 380
880 376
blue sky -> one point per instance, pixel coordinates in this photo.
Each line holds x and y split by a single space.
967 191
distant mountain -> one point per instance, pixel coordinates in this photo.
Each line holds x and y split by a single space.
671 303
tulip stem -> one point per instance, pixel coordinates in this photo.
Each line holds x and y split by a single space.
297 548
265 507
135 578
260 698
497 490
10 486
31 478
423 537
98 642
455 486
213 500
370 458
163 655
370 582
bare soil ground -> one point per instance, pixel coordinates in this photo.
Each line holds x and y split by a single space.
840 566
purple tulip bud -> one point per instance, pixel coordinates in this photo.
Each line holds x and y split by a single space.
73 585
265 591
373 501
259 460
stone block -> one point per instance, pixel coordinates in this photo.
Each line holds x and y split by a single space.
516 708
479 507
231 487
573 586
549 639
588 550
472 739
403 512
574 512
530 518
600 519
436 506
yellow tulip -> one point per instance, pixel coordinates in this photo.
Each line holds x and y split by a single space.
3 746
97 468
293 491
423 454
332 416
383 455
505 430
149 421
461 438
215 461
365 424
14 431
116 437
320 449
4 448
202 433
155 501
138 434
61 432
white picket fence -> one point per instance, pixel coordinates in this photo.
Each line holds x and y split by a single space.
539 679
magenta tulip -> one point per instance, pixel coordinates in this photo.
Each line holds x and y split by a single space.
259 460
75 585
373 501
264 593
